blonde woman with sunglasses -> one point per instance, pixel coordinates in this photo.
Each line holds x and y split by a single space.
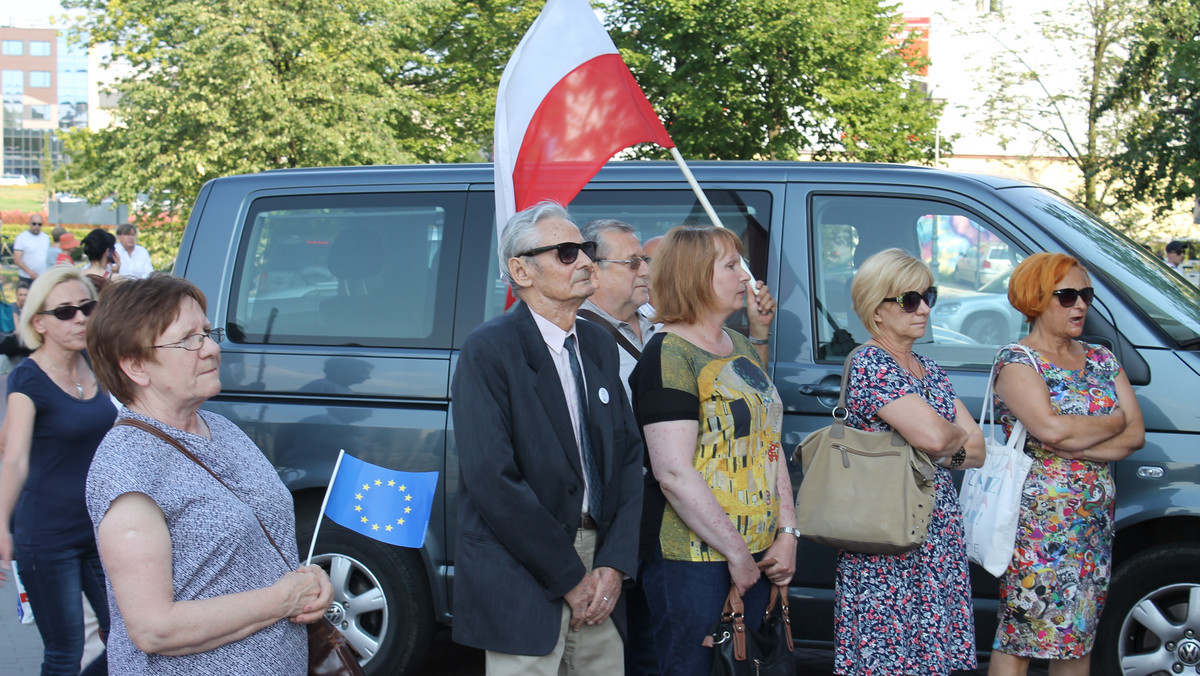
1081 414
57 415
907 613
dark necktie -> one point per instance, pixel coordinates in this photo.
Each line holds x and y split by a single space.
595 496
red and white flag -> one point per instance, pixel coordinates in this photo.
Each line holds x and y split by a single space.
567 103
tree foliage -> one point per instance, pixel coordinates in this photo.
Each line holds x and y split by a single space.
1054 94
233 86
771 79
1162 80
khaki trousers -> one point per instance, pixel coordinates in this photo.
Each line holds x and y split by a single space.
593 650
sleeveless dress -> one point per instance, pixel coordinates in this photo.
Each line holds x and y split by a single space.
908 613
1054 589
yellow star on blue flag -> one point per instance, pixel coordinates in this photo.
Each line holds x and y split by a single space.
364 495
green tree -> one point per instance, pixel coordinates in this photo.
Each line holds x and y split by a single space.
1047 85
221 87
772 79
1162 79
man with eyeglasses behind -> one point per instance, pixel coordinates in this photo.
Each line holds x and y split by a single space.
622 280
550 467
31 249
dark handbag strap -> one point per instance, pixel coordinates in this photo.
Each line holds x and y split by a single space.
145 427
624 342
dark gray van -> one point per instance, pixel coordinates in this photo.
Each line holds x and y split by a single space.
346 293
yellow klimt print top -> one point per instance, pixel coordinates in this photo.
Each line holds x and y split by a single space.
737 448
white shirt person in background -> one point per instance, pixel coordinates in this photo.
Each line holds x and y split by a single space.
135 260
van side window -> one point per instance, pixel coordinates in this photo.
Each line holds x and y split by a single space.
970 259
362 269
653 212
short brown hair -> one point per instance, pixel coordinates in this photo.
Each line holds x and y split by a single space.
133 314
682 272
1031 286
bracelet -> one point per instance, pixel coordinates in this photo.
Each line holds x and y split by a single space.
760 341
958 458
794 532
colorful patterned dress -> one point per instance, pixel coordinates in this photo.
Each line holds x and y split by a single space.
908 613
1052 593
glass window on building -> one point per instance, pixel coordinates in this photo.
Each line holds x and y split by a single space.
39 48
12 48
39 78
39 112
72 85
12 84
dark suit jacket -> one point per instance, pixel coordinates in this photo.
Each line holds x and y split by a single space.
520 493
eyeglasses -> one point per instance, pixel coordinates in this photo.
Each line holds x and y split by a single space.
634 262
568 252
196 340
1067 297
911 300
67 312
35 224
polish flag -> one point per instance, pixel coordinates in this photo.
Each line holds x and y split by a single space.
567 103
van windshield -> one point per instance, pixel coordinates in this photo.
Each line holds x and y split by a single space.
1167 299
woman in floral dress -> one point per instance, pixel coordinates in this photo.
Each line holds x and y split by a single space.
1080 412
908 613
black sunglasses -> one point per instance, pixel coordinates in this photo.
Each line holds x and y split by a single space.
67 312
911 300
568 252
1067 297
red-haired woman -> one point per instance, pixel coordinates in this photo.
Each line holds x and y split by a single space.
1081 414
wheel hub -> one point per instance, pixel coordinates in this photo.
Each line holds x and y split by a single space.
1188 652
337 614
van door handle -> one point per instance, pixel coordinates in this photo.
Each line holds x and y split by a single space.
821 390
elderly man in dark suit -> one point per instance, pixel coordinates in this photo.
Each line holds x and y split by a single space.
550 461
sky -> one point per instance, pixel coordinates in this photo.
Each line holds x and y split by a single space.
28 9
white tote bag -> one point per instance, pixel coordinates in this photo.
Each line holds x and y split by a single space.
991 495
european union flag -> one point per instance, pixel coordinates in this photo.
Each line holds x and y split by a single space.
380 503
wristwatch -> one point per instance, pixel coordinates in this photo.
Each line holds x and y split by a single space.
958 458
790 531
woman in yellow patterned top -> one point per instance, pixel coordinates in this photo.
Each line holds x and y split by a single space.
719 499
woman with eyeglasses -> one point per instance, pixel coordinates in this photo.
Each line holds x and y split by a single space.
1080 414
907 613
720 509
195 529
57 414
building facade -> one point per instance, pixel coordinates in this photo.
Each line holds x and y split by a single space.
44 85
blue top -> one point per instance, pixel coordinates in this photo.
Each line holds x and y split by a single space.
51 512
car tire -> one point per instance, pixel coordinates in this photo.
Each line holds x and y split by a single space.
382 601
987 330
1151 621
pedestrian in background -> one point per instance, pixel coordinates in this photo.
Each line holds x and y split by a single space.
57 415
134 259
1174 254
1081 414
30 250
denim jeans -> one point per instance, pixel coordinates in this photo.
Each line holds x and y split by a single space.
54 582
686 599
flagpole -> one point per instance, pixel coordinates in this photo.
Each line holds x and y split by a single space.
708 208
320 515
